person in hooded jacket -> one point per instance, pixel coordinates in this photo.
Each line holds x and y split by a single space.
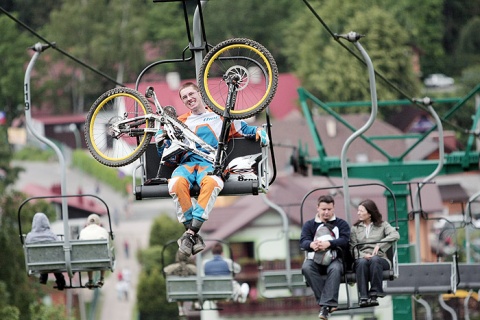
41 233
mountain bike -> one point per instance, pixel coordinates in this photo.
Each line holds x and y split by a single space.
238 79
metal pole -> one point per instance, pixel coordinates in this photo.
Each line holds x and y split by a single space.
441 158
284 217
39 48
467 229
354 37
197 38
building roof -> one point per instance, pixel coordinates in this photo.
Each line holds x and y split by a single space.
85 203
60 119
288 192
283 103
453 192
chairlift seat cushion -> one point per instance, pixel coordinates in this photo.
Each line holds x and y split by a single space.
278 279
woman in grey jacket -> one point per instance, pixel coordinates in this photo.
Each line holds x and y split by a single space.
371 259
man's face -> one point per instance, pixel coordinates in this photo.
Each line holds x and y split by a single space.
192 100
325 211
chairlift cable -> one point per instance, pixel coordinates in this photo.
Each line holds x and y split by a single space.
388 82
54 46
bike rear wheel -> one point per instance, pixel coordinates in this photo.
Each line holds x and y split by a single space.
256 69
115 127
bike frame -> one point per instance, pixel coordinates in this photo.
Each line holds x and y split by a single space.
183 139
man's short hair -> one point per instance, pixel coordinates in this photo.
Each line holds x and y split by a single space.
186 85
326 198
217 248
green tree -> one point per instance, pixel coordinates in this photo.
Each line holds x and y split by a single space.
32 13
424 23
332 73
164 229
467 52
264 21
21 292
167 38
7 312
111 40
152 298
14 53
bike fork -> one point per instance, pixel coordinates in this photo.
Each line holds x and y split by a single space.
218 166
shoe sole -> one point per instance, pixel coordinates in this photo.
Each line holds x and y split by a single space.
188 254
197 250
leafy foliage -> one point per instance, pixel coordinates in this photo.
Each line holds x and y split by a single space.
12 66
151 298
16 290
332 73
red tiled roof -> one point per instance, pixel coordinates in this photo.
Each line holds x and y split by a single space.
61 119
283 103
83 203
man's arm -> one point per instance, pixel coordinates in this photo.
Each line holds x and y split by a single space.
307 235
343 235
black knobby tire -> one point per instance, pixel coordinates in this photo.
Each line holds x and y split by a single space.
110 147
257 70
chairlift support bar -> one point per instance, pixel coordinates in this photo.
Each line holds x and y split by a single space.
38 49
354 37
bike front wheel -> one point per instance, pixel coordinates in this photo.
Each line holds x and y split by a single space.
115 127
254 67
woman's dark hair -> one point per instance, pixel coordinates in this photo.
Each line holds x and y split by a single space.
371 208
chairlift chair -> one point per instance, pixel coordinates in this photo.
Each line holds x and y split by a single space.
68 256
197 288
283 283
150 179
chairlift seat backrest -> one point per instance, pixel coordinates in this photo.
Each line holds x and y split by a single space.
424 278
86 255
156 186
469 274
199 288
294 279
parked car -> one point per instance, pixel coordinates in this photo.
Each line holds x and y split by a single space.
438 80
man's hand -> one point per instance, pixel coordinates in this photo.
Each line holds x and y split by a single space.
320 245
159 138
263 137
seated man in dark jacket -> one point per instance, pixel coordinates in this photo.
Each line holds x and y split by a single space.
326 291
